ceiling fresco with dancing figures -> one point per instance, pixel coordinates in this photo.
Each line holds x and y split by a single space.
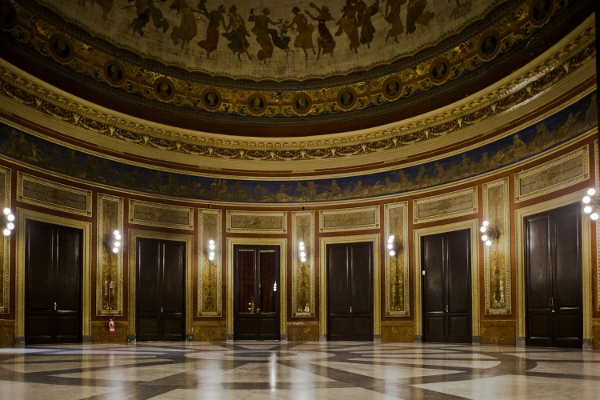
279 69
273 40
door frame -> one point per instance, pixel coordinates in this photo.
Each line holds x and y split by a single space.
23 215
134 234
282 243
473 226
323 242
586 263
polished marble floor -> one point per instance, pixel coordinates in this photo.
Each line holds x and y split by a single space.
296 370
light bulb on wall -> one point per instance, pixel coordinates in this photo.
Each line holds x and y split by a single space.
488 233
8 221
212 247
116 241
391 245
592 204
302 251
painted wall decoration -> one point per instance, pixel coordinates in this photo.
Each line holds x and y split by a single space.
109 270
210 277
164 215
397 282
496 258
54 195
5 193
303 272
562 172
444 206
349 219
555 129
257 221
284 41
272 39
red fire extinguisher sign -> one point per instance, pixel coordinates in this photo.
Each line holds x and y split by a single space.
111 326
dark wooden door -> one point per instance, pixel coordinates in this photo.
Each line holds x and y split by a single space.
160 290
446 277
53 268
256 310
350 291
553 278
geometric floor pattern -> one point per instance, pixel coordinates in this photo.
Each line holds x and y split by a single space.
297 370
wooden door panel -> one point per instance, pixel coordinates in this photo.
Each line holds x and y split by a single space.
553 278
447 287
256 293
148 291
350 291
53 283
459 273
433 283
160 291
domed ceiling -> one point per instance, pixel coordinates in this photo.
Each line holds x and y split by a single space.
283 68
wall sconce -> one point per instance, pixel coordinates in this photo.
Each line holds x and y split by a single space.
211 250
302 251
116 241
489 234
391 246
592 204
8 220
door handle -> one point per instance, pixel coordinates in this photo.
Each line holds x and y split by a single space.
55 306
552 305
258 310
446 307
161 310
351 308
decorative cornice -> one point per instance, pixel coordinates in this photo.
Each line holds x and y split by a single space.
558 65
417 81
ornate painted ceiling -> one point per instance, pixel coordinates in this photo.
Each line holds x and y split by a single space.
303 69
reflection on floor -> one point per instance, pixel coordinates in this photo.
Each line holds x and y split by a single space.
296 370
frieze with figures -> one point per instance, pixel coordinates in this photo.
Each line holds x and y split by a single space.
260 44
574 120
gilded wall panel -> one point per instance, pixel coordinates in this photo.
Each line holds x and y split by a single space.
45 193
210 277
5 244
303 272
163 215
597 175
109 269
444 206
350 219
397 290
550 176
257 222
496 210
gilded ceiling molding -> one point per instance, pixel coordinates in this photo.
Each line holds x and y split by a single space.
109 125
50 41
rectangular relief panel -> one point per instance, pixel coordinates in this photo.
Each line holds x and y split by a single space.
350 219
209 270
163 215
45 193
496 210
444 206
397 290
553 175
303 272
109 272
5 244
257 222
